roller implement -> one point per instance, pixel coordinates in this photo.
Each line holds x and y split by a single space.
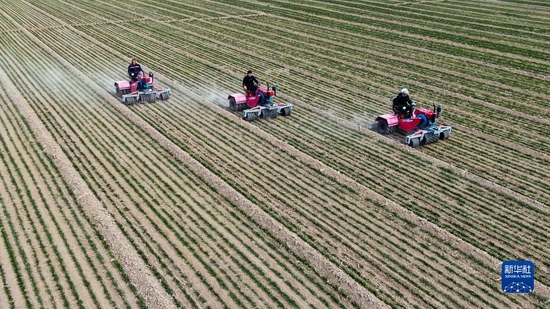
420 127
140 89
259 104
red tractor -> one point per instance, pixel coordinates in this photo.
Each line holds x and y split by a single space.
419 125
140 89
259 104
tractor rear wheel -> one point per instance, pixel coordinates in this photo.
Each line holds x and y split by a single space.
232 104
415 142
382 127
118 93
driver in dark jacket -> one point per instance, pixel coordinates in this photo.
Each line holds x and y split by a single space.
133 71
402 103
249 83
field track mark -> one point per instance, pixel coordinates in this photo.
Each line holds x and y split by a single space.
148 288
209 18
324 267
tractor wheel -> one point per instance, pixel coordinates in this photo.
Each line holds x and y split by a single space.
164 96
232 104
382 127
444 135
250 116
415 142
129 101
286 111
431 138
118 93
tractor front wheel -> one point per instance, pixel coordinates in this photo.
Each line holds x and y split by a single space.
286 111
164 96
415 142
129 101
250 116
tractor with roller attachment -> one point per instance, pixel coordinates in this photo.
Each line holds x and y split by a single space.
140 89
259 104
419 125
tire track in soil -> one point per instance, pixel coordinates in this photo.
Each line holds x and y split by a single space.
149 289
324 267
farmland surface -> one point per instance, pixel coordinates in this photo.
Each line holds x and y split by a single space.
182 204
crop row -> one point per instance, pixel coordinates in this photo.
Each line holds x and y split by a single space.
45 235
151 202
222 153
188 126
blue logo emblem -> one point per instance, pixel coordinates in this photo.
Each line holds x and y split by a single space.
518 276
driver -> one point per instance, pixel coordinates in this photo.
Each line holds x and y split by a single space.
249 83
134 69
402 103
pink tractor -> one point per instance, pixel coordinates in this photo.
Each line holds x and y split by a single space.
420 125
140 89
259 104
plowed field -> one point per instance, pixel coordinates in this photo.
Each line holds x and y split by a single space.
182 204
